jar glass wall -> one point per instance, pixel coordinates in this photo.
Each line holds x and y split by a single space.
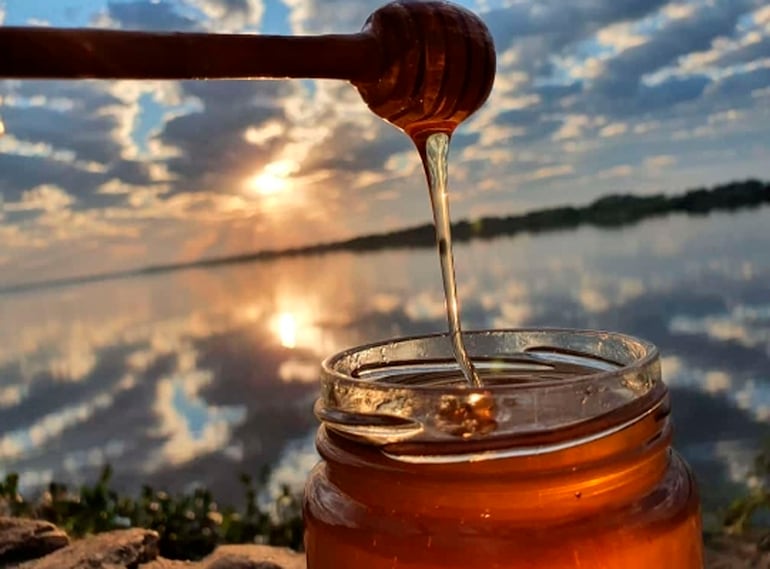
562 459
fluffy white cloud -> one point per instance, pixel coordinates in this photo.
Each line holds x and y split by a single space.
189 426
230 15
46 198
614 129
329 16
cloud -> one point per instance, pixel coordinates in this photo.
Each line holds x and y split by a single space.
678 11
67 133
11 396
717 381
189 426
292 468
210 145
747 44
329 16
739 86
56 127
617 84
659 162
550 172
575 125
745 325
623 73
622 171
20 172
614 129
36 435
753 47
45 197
220 16
562 24
147 15
620 36
230 15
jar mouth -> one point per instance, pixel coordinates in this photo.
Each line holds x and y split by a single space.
537 383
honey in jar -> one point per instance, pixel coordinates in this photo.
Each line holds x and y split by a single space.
561 459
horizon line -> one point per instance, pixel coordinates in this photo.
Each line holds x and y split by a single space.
604 212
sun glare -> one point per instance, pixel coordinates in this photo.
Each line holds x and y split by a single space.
287 330
294 324
267 184
275 178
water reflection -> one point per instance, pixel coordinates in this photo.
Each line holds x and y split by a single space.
199 375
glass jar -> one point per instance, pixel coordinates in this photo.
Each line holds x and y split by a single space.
561 460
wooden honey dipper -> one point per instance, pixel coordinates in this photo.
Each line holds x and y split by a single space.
422 66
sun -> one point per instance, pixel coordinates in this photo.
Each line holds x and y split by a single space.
268 184
275 178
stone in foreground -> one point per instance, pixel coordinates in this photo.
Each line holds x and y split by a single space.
22 539
114 550
239 557
171 564
255 557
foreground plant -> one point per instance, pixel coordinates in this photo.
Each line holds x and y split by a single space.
190 525
752 510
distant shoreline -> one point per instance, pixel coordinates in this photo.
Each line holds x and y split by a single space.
612 211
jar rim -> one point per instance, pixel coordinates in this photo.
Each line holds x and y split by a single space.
361 401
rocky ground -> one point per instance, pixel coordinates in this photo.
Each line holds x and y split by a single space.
28 544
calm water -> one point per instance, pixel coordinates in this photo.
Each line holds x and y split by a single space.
199 375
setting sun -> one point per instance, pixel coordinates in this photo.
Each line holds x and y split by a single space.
274 178
267 184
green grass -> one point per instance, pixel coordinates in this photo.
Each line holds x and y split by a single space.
190 525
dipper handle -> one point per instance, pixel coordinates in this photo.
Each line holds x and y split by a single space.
51 53
419 65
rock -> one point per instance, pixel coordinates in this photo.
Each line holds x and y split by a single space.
239 557
722 552
169 564
124 549
254 557
726 552
22 539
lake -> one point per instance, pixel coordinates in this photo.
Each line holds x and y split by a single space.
198 375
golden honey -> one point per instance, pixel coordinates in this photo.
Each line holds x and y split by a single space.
599 488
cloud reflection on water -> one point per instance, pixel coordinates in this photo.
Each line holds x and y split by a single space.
195 376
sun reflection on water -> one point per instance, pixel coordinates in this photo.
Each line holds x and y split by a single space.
287 330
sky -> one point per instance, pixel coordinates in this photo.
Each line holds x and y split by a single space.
591 97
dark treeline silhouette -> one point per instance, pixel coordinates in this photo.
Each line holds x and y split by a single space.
609 212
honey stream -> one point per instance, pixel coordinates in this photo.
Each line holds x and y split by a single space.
435 155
